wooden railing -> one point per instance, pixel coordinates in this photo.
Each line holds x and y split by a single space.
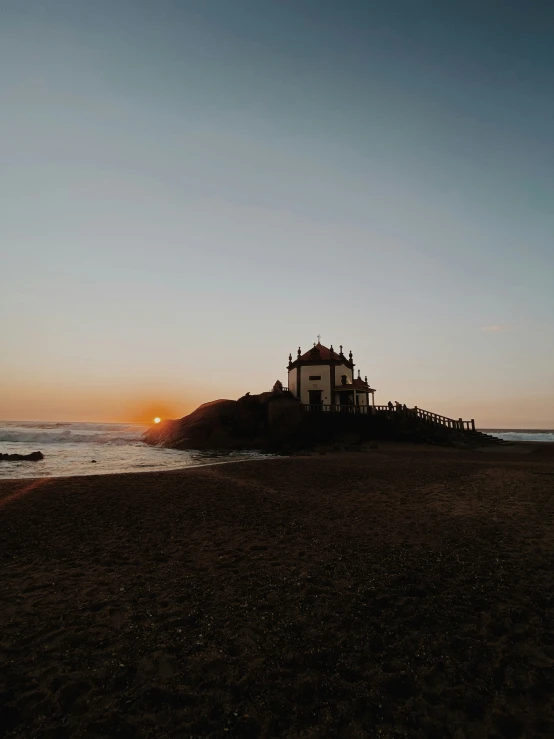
439 420
434 418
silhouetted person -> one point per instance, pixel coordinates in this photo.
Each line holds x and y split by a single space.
390 405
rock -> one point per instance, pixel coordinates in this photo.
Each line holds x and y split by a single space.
222 424
262 421
32 457
93 461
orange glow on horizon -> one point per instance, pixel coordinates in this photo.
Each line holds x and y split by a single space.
109 402
155 411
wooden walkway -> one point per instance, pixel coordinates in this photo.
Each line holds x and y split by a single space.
432 418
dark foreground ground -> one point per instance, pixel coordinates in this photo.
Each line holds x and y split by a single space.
389 593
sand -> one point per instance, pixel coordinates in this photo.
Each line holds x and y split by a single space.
395 592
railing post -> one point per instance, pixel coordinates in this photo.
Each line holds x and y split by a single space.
460 424
473 424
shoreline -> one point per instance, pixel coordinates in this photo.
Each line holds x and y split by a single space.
135 472
403 592
510 447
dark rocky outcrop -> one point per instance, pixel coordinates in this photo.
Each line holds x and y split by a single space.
275 421
32 457
252 422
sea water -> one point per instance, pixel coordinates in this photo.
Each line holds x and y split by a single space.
535 435
69 449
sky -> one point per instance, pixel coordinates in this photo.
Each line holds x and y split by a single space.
190 190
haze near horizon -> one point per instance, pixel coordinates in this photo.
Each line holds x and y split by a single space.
191 190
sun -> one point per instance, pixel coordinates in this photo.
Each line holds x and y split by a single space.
157 420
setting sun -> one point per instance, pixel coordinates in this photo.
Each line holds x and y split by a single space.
157 420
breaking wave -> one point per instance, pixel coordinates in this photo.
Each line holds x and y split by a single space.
61 434
544 436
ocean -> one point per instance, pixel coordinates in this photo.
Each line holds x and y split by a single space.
522 434
69 449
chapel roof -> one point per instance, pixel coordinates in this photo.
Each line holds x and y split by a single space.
321 354
324 353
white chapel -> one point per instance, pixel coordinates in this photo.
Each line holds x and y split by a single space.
323 377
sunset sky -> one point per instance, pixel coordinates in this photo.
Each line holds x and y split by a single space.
191 190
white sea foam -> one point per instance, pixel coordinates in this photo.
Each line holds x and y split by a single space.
56 435
522 435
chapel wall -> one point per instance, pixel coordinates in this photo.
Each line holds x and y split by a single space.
340 370
323 384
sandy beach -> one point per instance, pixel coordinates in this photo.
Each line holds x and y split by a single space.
397 592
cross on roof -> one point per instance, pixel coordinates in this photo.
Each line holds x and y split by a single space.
319 338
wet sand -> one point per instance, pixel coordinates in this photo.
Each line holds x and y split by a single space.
395 592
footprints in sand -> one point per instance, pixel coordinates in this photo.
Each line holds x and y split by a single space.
72 696
166 667
157 665
117 617
259 548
